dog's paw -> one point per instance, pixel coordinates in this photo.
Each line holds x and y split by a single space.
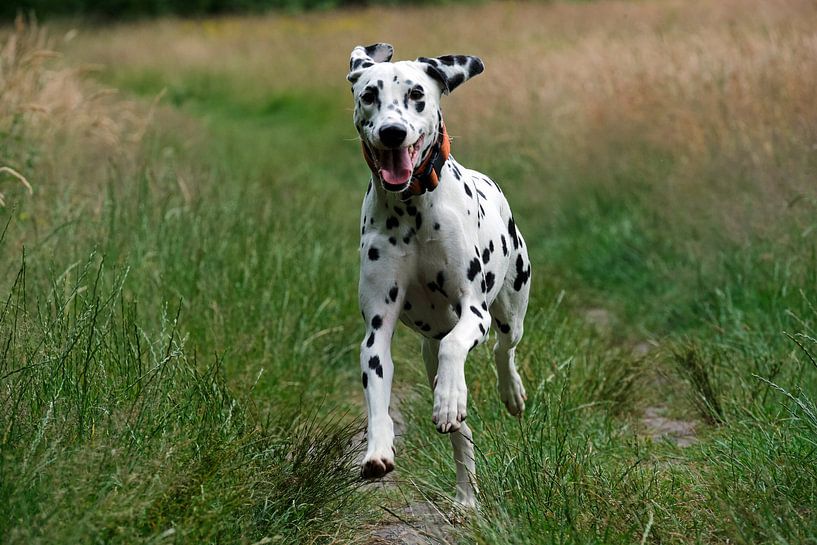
512 393
376 465
449 405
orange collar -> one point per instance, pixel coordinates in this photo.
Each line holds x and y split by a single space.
426 176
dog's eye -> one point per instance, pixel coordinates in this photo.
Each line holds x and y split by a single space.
367 97
416 93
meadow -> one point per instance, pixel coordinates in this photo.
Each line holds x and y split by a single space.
179 325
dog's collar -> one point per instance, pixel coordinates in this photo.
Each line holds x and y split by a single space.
427 175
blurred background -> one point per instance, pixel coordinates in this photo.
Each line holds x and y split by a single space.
181 185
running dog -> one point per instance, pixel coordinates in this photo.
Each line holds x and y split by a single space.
439 251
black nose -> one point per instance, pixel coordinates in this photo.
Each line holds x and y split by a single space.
392 136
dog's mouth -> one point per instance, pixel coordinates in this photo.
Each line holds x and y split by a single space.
395 166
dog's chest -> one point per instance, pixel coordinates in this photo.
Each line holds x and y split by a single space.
435 247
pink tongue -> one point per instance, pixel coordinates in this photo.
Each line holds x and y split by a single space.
395 166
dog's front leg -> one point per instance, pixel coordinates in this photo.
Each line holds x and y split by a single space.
450 390
381 312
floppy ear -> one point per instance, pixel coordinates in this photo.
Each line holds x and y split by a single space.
452 70
364 57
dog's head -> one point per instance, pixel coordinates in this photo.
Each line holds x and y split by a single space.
397 106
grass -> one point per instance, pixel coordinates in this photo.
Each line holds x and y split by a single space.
179 325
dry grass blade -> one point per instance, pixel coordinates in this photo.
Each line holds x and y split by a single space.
20 177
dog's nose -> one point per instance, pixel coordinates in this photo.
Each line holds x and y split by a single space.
392 136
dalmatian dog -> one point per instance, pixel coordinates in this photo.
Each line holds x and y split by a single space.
439 251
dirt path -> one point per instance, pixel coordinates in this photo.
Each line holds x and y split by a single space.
660 428
653 422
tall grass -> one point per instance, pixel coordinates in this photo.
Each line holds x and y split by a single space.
142 400
658 157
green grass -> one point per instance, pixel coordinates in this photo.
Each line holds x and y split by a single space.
181 364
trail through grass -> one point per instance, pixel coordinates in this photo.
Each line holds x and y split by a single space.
180 329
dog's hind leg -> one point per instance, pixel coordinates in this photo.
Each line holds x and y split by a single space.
461 440
508 312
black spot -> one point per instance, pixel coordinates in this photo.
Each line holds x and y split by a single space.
457 173
504 328
512 233
393 241
482 286
418 220
411 210
482 329
377 321
379 371
476 311
370 340
491 246
374 362
393 293
438 285
368 189
407 305
475 67
484 305
374 254
398 210
481 194
474 268
423 326
363 230
392 222
436 226
420 106
468 190
458 310
365 379
455 80
504 245
476 342
489 280
380 83
486 255
522 274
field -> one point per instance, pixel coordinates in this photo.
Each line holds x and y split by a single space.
179 328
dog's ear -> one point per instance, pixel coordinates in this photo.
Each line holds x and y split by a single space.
364 57
452 70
